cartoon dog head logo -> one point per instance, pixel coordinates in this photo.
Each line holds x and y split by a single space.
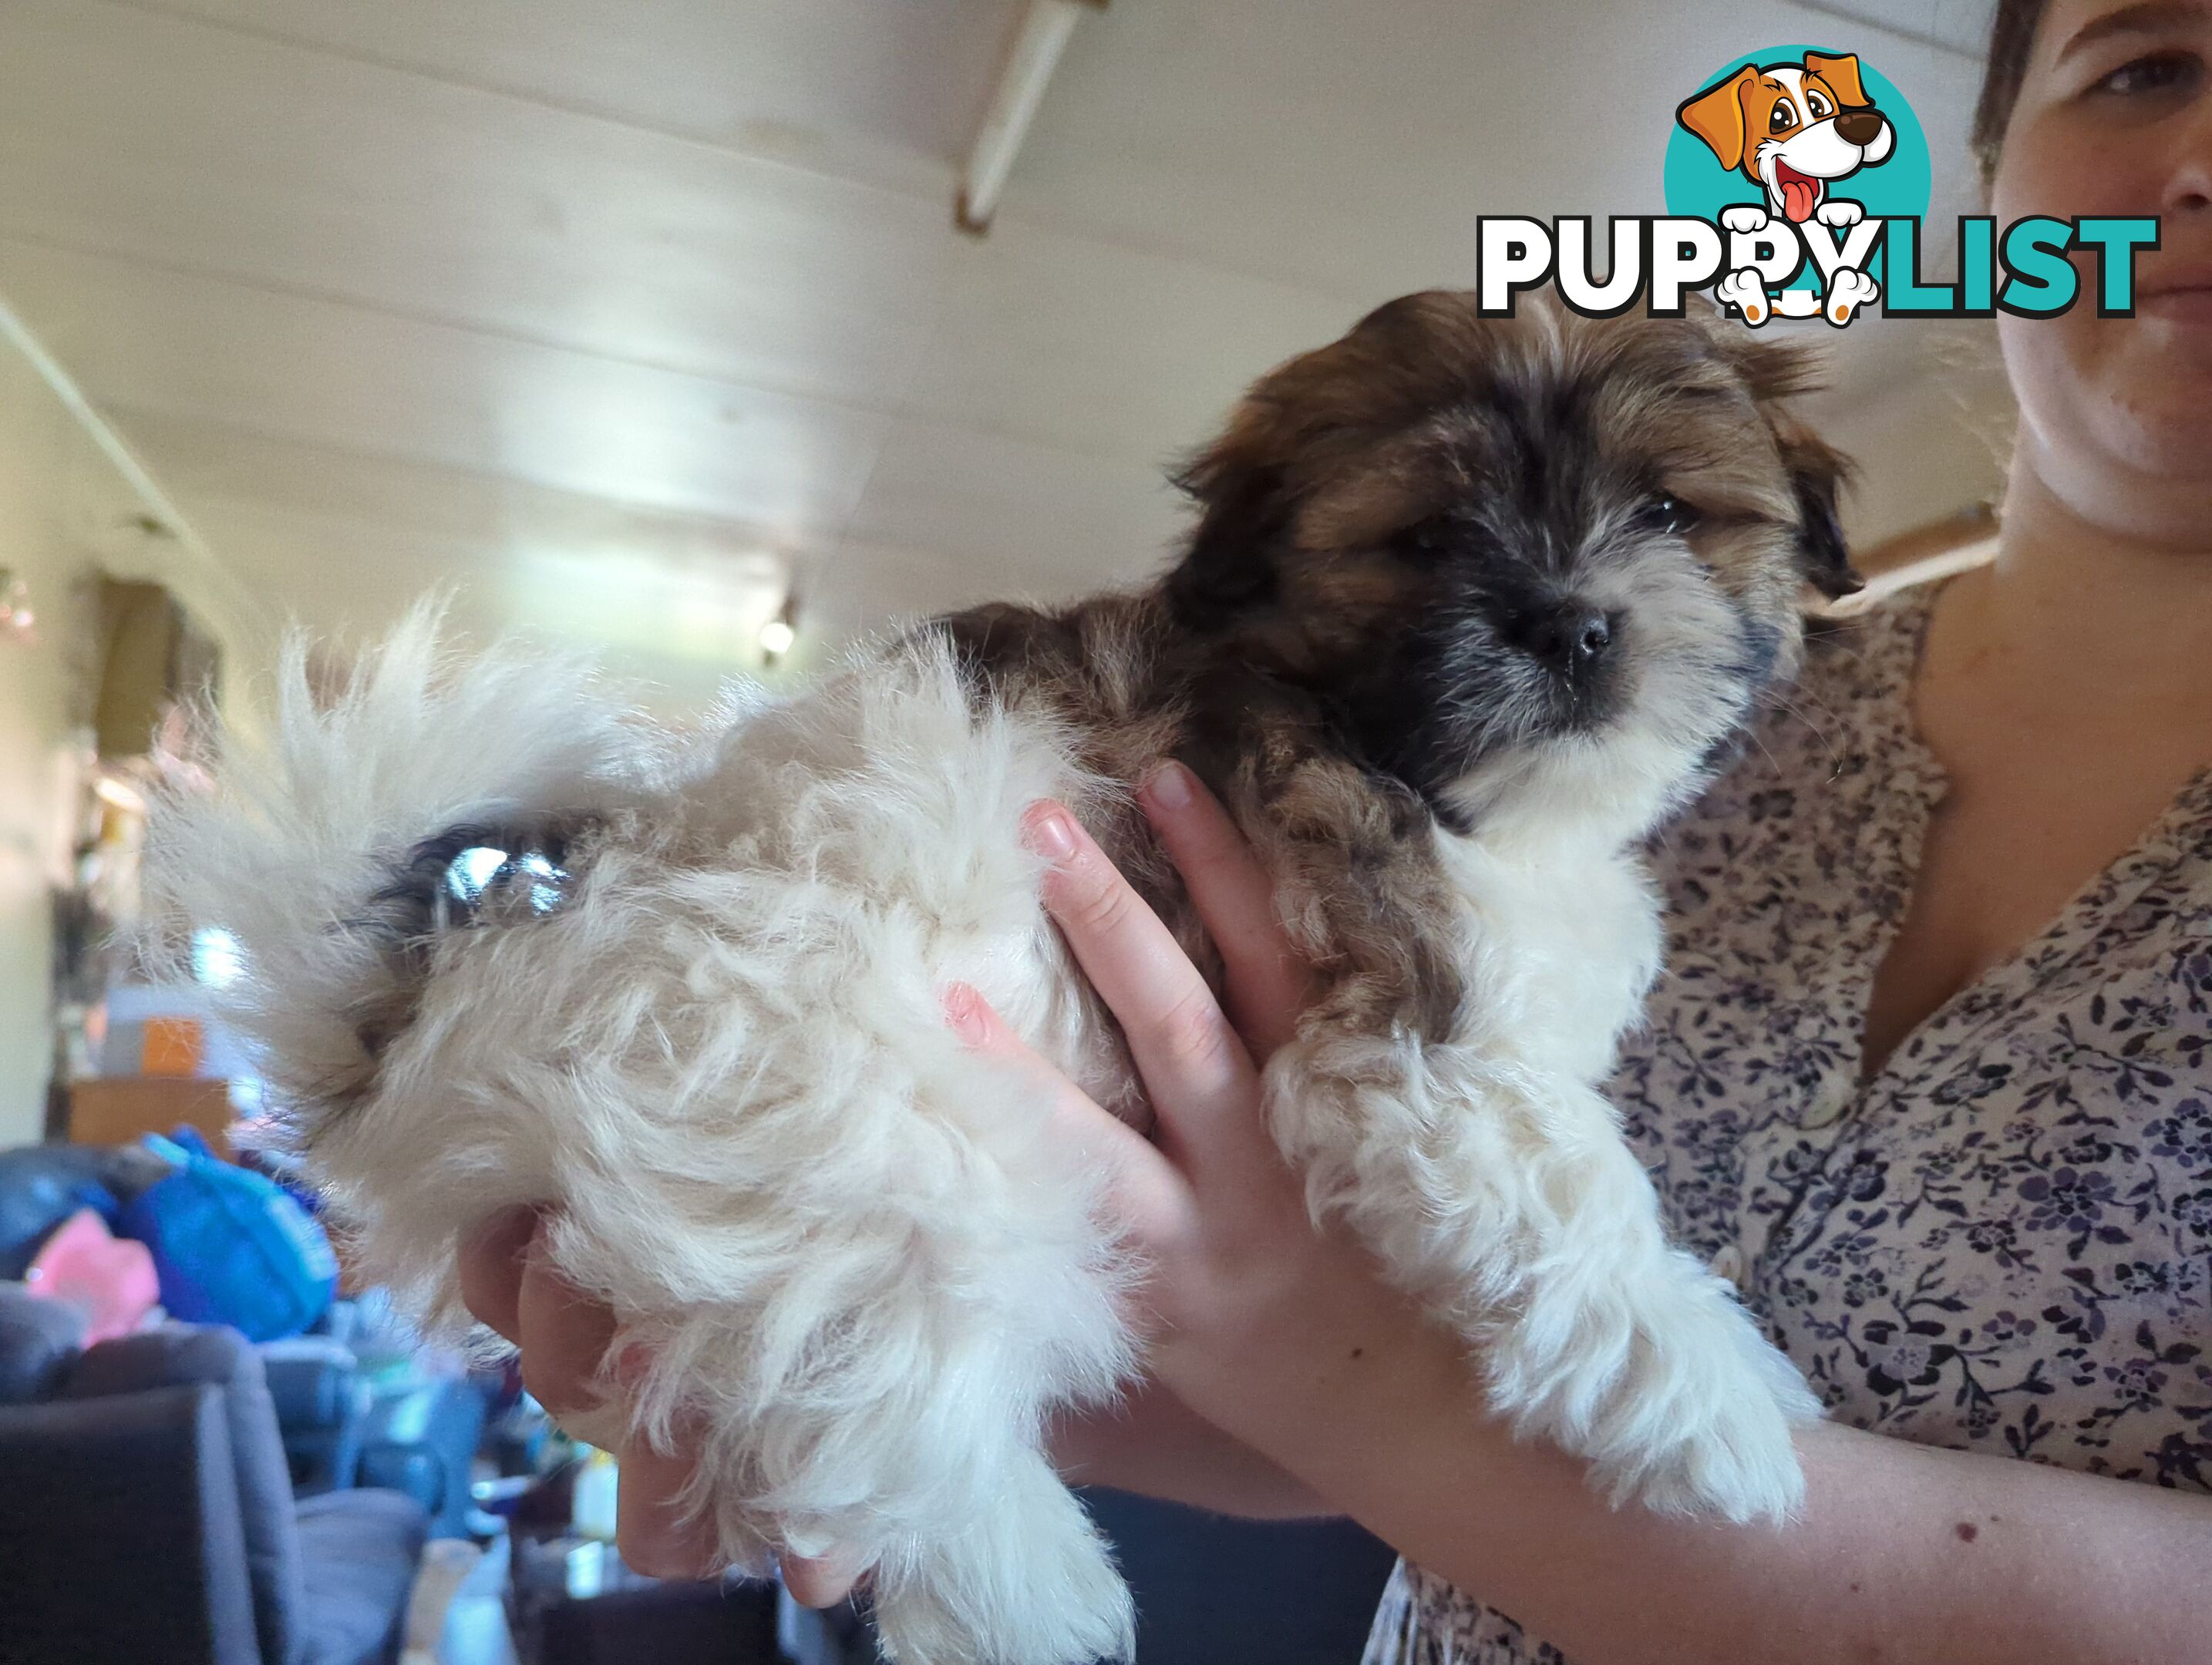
1791 128
1797 122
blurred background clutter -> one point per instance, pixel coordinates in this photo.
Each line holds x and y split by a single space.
708 334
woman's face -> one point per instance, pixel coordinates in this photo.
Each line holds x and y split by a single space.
2115 118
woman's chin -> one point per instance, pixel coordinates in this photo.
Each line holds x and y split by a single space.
2155 395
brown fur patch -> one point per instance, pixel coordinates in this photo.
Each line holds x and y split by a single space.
1276 656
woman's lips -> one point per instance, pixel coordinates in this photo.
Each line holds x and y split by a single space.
2188 301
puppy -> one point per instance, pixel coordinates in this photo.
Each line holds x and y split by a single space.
1791 128
1471 604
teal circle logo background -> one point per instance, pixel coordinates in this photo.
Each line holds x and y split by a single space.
1697 186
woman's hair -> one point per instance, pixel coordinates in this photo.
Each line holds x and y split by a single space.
2012 36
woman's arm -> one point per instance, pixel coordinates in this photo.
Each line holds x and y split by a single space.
1903 1554
1154 1444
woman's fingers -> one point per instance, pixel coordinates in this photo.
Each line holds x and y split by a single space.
1191 1059
1268 984
1142 1188
821 1580
490 1264
563 1335
651 1528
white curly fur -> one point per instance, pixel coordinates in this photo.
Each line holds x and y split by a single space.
854 1259
857 1264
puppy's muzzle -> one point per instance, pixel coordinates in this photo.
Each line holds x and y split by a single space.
1569 638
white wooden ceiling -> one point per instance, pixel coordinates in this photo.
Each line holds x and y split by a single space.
610 313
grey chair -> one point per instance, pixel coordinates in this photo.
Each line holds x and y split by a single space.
147 1513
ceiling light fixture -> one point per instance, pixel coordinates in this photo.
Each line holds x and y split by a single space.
777 635
1038 44
16 617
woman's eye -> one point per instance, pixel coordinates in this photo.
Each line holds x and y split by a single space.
1669 514
2153 72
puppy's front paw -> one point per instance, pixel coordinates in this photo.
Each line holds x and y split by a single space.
1730 1402
1659 1379
1839 212
1745 217
1740 1463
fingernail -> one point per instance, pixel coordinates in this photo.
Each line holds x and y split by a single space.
633 1364
1052 836
964 1009
1169 786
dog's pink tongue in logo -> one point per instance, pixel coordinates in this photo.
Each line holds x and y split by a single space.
1801 193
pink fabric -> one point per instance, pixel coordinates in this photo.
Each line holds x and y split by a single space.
111 1278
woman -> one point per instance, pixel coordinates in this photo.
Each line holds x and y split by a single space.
1931 1072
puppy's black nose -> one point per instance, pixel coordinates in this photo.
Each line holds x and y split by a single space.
1860 127
1573 636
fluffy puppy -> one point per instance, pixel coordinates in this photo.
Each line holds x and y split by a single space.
1470 606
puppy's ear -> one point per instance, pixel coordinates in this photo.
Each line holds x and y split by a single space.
1244 509
1716 116
1817 473
1842 75
1773 373
1772 369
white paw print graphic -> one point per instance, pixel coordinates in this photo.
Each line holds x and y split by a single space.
1839 212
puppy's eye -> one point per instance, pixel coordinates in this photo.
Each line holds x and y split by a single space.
484 880
473 876
1782 118
1668 515
1818 106
1431 540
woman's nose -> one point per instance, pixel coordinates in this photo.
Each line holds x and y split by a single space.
2189 184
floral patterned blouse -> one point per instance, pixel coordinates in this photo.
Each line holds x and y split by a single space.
2003 1242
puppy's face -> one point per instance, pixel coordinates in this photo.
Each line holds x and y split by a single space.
1534 564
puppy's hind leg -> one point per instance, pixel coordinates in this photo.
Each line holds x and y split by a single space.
1509 1204
1025 1580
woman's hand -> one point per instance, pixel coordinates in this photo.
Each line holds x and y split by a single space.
1241 1283
1210 1206
561 1336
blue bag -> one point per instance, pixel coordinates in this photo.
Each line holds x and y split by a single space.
230 1247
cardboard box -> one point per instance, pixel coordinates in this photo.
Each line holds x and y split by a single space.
116 1109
